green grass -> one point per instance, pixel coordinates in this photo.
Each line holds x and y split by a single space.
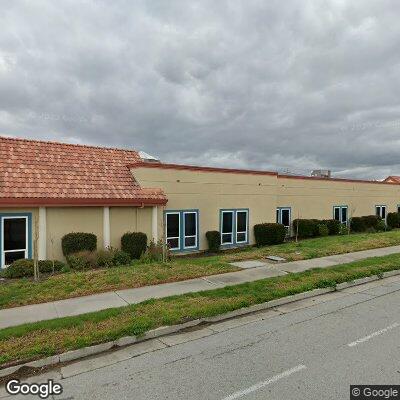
74 284
36 340
320 247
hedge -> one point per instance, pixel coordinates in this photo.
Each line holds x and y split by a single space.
357 224
393 220
24 268
214 241
333 226
78 241
306 228
268 233
371 221
134 243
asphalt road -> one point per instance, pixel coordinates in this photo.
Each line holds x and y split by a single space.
305 350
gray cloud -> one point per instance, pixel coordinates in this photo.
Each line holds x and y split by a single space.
277 85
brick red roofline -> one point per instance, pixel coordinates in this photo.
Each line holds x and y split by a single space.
75 202
251 172
202 169
18 139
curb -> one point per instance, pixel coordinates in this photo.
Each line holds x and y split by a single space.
73 355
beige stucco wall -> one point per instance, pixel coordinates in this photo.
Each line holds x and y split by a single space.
316 198
262 194
129 219
211 191
63 220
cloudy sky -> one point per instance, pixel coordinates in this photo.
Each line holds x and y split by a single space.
282 85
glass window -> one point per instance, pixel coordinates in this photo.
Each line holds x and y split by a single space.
381 211
285 219
227 227
340 214
15 231
173 230
190 229
344 215
241 226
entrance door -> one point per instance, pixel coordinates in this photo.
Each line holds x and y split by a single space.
283 217
14 232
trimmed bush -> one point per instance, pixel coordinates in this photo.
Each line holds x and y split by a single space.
104 258
333 226
306 228
121 258
75 242
82 260
393 220
323 230
24 268
381 226
371 221
214 241
268 233
357 224
134 243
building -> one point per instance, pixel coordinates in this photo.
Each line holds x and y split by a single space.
49 189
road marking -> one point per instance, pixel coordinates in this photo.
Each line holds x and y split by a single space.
372 335
260 385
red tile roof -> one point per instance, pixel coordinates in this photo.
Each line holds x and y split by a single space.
37 172
392 179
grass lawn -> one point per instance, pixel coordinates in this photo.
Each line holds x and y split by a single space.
41 339
25 291
320 247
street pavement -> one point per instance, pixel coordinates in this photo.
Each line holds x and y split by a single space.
309 349
81 305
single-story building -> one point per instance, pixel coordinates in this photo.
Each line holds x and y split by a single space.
49 189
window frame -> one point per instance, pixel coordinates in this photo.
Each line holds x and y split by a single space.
181 238
196 235
246 232
340 208
28 238
279 216
234 242
381 207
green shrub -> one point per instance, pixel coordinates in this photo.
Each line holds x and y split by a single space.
214 241
306 228
121 258
134 243
381 226
343 229
78 241
371 221
24 268
333 226
393 220
104 258
357 224
82 260
268 233
323 230
156 252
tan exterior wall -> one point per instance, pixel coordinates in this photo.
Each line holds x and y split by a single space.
209 192
316 198
262 194
129 219
63 220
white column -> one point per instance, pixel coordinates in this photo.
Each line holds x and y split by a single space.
154 223
42 250
106 227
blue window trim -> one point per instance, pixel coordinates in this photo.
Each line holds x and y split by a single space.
27 215
340 207
181 213
234 233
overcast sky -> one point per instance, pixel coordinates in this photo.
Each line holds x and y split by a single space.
261 84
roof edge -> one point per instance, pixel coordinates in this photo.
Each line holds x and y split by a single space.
201 169
318 178
54 202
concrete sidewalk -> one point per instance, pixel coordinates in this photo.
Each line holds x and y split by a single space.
81 305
